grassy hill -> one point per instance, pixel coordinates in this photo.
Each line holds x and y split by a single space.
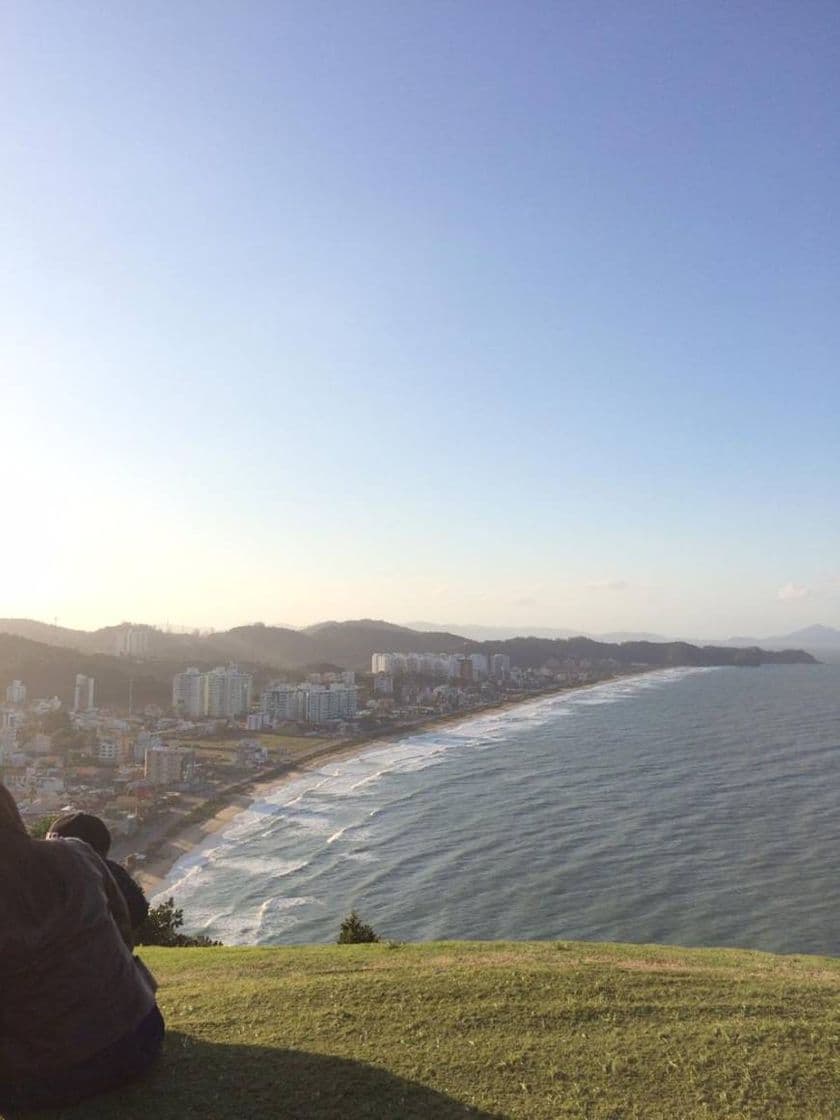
487 1030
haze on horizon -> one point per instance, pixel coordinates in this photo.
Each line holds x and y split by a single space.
516 316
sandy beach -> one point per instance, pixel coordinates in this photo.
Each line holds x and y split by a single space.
164 852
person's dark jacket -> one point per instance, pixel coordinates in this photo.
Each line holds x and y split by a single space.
132 892
69 985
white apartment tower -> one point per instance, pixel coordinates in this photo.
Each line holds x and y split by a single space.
189 693
332 701
283 702
309 702
223 693
228 692
16 693
83 693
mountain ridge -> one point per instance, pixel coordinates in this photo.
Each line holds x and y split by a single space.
268 651
303 644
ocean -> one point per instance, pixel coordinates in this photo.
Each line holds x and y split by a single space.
687 806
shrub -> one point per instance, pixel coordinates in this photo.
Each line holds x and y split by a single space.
161 928
354 931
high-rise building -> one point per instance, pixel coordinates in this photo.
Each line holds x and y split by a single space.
441 665
16 693
329 702
283 702
189 693
83 693
500 666
223 693
228 692
309 702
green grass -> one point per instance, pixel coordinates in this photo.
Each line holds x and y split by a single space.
497 1029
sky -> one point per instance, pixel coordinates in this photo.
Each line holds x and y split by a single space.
503 313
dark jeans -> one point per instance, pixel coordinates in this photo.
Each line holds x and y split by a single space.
118 1063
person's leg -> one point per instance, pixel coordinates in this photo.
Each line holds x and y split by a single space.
119 1063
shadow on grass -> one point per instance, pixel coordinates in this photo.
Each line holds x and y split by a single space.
221 1081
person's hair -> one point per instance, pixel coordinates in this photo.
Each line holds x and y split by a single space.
9 815
84 826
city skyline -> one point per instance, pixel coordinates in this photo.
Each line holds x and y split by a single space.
447 312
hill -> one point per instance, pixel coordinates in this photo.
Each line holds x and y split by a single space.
490 1030
350 645
271 645
47 633
51 671
534 652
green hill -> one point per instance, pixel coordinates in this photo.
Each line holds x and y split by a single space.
495 1029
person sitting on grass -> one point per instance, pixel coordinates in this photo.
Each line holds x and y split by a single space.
94 831
78 1014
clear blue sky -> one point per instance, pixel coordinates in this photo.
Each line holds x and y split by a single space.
465 311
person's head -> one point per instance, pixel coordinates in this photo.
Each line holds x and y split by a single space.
10 818
84 826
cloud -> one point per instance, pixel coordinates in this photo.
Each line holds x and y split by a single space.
525 601
792 591
608 585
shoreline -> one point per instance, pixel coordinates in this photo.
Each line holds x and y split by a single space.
170 848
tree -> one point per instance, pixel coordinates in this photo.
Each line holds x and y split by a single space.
354 931
161 928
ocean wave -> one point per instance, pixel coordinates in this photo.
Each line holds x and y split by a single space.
392 806
278 914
